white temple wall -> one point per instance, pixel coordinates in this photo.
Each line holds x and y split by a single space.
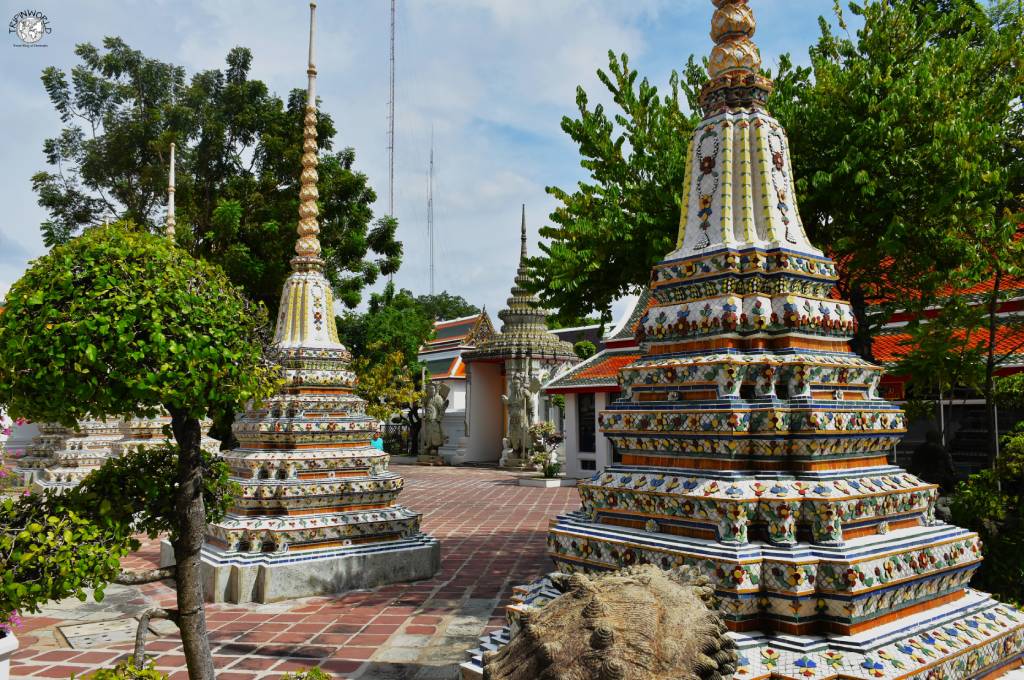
581 464
485 413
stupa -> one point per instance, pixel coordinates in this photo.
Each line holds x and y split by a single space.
63 456
524 347
317 513
754 443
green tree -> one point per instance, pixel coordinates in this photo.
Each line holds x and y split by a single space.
584 349
387 384
444 305
120 322
393 321
900 147
614 227
238 149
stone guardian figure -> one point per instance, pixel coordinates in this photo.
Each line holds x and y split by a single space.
521 412
434 403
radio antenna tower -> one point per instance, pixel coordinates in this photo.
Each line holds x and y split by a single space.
391 123
430 210
391 118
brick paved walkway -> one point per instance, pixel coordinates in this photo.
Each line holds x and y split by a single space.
492 534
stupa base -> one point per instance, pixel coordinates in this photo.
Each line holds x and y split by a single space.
238 578
972 638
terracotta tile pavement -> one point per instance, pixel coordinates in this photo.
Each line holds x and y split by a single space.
492 534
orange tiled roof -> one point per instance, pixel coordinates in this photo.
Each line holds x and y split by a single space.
598 373
455 333
609 367
889 348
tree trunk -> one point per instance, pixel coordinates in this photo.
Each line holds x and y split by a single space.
191 515
861 342
990 368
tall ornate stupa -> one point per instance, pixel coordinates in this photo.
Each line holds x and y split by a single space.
524 323
755 445
524 348
317 513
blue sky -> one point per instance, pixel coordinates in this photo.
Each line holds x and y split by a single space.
492 78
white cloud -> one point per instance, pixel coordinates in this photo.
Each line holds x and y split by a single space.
492 78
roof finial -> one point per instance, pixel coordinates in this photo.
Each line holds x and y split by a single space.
307 248
522 245
734 67
169 228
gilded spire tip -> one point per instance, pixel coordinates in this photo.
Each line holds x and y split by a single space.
307 249
734 67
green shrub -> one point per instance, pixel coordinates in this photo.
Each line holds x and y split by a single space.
126 671
990 503
584 349
311 674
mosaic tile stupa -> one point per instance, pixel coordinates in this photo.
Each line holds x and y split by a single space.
317 514
755 445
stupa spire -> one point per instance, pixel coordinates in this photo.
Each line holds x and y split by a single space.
318 512
169 225
307 249
734 66
522 239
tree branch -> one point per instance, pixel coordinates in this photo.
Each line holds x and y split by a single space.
136 578
139 656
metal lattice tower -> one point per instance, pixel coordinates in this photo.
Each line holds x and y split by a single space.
430 211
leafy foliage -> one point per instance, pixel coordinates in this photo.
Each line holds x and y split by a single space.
54 546
311 674
238 151
394 321
125 670
990 503
444 305
385 383
1010 391
122 322
614 228
142 486
903 148
584 349
545 449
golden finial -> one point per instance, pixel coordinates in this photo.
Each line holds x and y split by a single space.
169 228
307 248
734 66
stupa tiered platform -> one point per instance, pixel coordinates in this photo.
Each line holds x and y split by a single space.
755 446
62 457
318 513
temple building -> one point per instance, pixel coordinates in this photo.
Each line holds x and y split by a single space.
962 419
443 362
755 444
525 352
588 388
317 512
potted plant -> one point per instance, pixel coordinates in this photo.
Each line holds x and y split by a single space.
545 457
8 644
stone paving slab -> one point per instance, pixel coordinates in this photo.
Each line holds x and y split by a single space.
493 537
99 633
